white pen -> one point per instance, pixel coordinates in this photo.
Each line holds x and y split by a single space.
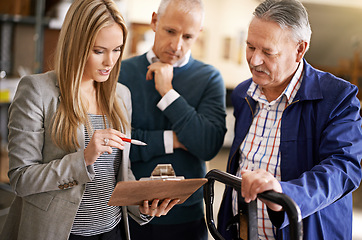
135 142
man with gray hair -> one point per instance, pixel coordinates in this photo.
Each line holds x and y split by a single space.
178 109
297 131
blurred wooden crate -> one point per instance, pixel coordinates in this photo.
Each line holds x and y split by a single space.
17 7
4 165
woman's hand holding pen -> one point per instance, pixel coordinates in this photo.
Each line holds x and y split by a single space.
102 141
158 210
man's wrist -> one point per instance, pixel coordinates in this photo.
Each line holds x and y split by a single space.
168 141
168 99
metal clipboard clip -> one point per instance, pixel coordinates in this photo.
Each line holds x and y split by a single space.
163 172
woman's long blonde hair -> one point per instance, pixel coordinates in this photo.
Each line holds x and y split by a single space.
85 18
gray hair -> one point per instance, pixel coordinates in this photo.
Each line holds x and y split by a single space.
289 14
183 5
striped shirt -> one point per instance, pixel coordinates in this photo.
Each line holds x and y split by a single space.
94 216
260 148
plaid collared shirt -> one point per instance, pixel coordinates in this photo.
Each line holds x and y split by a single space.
260 148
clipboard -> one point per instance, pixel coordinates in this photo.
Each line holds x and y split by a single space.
135 192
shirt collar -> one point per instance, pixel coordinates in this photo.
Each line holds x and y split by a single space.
295 82
152 58
255 92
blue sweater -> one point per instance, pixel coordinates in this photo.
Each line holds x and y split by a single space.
197 117
321 150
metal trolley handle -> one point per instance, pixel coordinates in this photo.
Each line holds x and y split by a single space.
291 208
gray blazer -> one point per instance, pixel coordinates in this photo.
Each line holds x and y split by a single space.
48 182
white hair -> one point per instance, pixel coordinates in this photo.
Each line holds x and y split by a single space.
183 5
289 14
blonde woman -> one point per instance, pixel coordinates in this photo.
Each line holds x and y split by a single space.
65 128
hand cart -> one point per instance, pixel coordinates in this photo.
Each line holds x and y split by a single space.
291 208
